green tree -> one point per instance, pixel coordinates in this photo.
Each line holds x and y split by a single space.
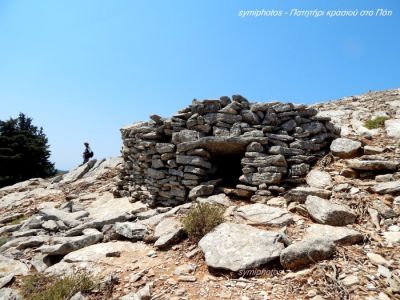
24 151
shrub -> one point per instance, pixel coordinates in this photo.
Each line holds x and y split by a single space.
201 219
48 287
375 122
3 240
18 220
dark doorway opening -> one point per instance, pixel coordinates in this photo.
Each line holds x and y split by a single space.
228 168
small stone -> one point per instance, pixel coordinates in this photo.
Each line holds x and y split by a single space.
376 259
187 278
351 280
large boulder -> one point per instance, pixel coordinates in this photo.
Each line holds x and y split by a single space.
238 247
326 212
345 148
261 214
305 252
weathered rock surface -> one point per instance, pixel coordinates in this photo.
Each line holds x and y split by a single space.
134 231
336 234
319 179
258 214
345 148
65 245
326 212
8 265
307 251
301 193
220 199
387 187
239 247
372 165
167 232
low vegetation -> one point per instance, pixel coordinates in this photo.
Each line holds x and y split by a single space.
201 219
376 122
47 287
3 240
18 220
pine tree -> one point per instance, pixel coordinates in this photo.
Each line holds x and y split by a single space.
24 151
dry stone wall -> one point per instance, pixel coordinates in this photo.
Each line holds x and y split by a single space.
256 149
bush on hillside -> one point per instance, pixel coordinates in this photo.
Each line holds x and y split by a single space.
47 287
376 122
201 219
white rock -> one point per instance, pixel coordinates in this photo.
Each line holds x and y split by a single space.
239 247
345 148
319 179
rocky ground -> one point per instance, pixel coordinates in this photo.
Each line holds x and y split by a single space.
337 237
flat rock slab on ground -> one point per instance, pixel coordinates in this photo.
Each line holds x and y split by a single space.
64 245
8 265
301 193
258 214
326 212
305 252
345 148
387 187
237 247
220 199
107 210
336 234
372 165
94 260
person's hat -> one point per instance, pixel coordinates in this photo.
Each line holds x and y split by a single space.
86 143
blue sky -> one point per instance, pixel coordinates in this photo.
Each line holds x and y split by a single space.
83 69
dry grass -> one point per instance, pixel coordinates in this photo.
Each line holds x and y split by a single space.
46 287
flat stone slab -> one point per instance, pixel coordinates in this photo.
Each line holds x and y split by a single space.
237 247
8 265
336 234
220 199
326 212
372 165
305 252
387 187
301 193
258 214
65 245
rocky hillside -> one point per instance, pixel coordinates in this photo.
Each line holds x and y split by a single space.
336 236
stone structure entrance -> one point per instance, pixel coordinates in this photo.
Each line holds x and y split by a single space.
252 148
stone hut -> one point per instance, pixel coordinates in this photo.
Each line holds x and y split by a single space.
242 148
